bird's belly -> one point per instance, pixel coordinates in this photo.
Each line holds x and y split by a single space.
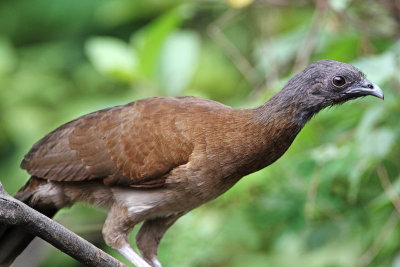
156 203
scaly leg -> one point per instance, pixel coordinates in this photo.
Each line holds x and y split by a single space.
149 237
115 232
133 257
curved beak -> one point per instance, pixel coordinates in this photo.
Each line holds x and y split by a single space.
365 88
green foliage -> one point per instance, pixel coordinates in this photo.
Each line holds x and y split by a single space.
322 204
112 57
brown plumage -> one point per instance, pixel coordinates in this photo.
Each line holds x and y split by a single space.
155 159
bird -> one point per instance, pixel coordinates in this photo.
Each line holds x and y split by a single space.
155 159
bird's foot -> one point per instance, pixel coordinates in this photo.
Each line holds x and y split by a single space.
133 257
155 263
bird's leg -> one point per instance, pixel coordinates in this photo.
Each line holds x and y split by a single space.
132 256
150 234
115 232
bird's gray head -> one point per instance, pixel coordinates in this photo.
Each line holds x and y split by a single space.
326 83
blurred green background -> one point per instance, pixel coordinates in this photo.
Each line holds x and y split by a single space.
330 201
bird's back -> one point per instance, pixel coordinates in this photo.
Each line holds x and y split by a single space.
134 144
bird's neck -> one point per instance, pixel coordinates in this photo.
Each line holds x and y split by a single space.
278 121
286 107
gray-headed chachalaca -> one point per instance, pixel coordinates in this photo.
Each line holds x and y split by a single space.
155 159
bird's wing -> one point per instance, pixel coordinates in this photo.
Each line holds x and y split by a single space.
135 145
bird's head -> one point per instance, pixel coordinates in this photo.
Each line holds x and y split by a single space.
326 83
331 82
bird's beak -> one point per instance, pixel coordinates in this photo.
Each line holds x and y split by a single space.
364 88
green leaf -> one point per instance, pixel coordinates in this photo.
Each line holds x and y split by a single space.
329 152
379 68
339 5
379 143
279 50
384 199
112 57
8 58
178 61
369 120
149 41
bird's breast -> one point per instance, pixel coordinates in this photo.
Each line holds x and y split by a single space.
221 157
252 149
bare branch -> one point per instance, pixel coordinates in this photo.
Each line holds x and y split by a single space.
305 52
312 191
385 232
215 30
388 187
14 212
390 224
282 3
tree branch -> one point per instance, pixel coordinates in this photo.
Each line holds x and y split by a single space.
307 48
215 30
14 212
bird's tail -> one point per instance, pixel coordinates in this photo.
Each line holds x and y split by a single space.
14 239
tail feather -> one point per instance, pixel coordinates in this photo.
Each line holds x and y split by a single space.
14 239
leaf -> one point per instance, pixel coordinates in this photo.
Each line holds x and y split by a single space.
329 152
374 143
112 57
339 5
377 144
386 69
178 61
279 50
384 199
8 58
239 3
371 117
149 41
396 260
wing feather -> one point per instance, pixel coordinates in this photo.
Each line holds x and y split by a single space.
135 145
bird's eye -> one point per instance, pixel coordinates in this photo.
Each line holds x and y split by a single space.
339 81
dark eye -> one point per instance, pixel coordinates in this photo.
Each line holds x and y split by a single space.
339 81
